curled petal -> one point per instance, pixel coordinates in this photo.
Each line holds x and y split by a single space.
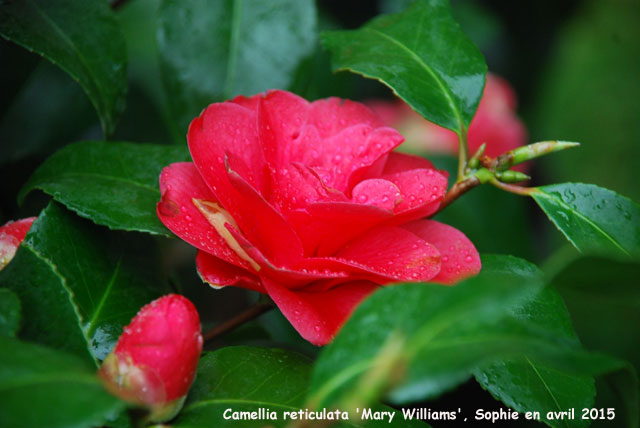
317 316
264 225
180 185
459 257
421 191
332 115
388 254
297 185
377 192
227 131
400 162
281 117
324 227
290 276
218 273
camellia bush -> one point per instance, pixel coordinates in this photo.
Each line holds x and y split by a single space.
205 227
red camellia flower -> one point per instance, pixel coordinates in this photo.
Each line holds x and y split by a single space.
11 235
156 357
306 202
495 123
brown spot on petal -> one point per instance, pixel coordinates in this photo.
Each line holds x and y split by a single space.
168 208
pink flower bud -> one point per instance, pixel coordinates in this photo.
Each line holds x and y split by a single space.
155 360
11 235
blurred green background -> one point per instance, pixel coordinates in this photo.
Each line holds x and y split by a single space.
575 65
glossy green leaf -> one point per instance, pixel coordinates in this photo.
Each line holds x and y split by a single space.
114 184
40 387
444 332
246 379
425 339
422 55
10 313
213 51
593 219
78 284
526 384
81 37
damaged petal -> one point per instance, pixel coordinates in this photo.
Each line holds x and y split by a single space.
218 217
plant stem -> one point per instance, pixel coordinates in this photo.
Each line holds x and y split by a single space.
458 189
463 152
512 188
243 317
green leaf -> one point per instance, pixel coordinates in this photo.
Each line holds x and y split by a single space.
245 379
78 284
526 384
593 219
114 184
10 313
443 333
213 51
81 37
41 387
422 55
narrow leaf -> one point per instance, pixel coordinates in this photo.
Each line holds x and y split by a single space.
213 51
593 219
41 387
114 184
10 313
422 55
81 37
78 284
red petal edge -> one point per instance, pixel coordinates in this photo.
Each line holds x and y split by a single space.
319 316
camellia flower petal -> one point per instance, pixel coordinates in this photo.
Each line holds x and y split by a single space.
155 360
11 235
306 202
495 123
